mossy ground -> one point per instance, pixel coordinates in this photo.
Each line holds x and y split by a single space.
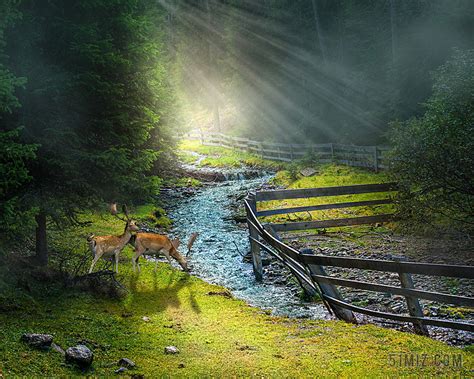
223 157
217 336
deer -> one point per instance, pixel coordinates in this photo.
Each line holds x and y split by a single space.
112 245
154 244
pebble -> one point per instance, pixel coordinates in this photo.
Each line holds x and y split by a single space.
126 363
171 350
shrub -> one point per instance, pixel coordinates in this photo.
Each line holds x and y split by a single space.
433 158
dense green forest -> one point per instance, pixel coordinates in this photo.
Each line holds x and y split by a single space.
94 93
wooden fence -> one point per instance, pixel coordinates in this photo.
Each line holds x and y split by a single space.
374 157
309 268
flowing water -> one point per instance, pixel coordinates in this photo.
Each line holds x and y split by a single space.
216 255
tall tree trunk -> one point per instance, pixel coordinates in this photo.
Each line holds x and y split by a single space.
214 93
317 22
393 27
41 239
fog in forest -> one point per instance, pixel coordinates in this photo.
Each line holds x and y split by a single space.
336 71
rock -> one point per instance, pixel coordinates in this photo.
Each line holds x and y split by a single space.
146 319
171 350
181 365
126 362
121 370
39 341
80 355
308 171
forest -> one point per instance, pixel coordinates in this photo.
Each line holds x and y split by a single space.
104 110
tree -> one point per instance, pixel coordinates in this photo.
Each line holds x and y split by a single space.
96 92
14 154
432 156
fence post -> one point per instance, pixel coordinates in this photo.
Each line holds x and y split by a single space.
260 146
291 152
332 291
332 151
376 159
254 247
414 307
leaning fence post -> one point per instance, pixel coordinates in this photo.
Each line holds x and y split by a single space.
254 247
414 307
332 291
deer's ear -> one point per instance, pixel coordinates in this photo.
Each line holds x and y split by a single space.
113 208
176 242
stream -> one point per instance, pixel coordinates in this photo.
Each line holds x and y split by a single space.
216 256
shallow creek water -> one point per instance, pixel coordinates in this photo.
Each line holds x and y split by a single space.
215 255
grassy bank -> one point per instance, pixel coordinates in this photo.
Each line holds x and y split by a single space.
217 335
327 175
222 157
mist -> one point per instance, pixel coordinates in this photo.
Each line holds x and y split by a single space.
331 71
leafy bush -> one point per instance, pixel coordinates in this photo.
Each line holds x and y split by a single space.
433 158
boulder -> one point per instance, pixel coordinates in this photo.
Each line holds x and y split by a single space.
80 355
39 341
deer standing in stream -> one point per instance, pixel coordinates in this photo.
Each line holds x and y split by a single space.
154 244
111 245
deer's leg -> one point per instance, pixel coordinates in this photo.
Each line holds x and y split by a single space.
167 255
94 261
117 255
138 252
156 263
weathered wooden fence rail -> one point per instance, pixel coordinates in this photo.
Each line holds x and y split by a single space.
374 157
309 269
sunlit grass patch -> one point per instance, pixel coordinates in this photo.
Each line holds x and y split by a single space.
328 175
216 335
222 157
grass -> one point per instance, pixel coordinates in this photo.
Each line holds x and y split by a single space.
217 336
223 157
328 175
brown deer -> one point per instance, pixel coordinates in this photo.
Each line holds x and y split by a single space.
154 244
111 245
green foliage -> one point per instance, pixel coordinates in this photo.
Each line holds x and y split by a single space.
95 103
15 218
432 155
